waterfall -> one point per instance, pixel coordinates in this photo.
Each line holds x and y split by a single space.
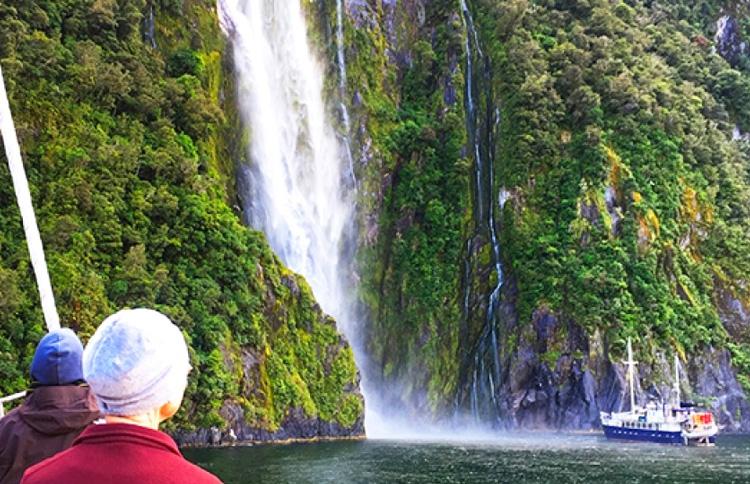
471 114
484 383
149 27
341 60
21 186
297 189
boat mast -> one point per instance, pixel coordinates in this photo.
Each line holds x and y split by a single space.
21 185
677 380
631 375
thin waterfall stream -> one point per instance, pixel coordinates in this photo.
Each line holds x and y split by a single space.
343 109
484 381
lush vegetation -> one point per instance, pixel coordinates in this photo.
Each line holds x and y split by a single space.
628 199
414 195
130 140
630 211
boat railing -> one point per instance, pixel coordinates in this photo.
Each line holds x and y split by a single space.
9 398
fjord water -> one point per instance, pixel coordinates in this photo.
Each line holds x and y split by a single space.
531 458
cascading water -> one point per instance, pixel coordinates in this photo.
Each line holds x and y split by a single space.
149 27
471 113
484 382
341 60
298 190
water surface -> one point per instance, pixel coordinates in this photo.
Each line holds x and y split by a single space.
540 458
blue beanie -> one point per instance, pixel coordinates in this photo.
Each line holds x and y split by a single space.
57 360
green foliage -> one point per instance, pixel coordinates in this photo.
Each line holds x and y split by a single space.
410 281
185 61
637 110
629 197
121 143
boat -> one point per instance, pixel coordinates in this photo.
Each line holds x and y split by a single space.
677 423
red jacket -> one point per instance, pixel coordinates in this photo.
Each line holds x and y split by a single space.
119 454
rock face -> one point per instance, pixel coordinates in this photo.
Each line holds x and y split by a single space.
714 377
570 391
729 42
562 122
296 426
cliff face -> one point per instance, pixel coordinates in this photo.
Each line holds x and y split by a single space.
127 120
540 181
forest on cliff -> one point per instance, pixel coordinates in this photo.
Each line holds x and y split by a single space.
129 149
538 180
608 178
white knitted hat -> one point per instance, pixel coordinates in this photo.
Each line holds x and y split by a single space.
136 361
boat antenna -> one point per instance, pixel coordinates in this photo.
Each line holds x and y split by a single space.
631 375
677 380
21 186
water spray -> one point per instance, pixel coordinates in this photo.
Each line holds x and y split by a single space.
21 186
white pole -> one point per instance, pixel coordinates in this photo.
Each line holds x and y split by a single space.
631 375
677 380
21 186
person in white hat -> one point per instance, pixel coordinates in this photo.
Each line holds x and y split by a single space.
137 366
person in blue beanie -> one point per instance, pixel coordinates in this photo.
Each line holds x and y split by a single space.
58 408
137 364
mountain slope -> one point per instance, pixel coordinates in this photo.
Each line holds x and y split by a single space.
605 165
125 113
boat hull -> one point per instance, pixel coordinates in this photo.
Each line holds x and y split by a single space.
644 435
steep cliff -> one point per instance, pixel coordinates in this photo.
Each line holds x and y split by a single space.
540 181
537 181
127 120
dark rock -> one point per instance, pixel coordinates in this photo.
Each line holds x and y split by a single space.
362 14
734 314
729 42
296 425
715 379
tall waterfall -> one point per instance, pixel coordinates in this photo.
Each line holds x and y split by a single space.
298 190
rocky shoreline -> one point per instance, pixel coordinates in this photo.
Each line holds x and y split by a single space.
296 427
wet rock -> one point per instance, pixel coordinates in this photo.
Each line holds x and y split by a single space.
295 426
729 42
715 381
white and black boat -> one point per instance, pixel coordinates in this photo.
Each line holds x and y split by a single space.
673 423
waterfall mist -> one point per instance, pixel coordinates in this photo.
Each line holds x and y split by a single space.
300 185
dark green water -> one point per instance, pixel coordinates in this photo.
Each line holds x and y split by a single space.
541 458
